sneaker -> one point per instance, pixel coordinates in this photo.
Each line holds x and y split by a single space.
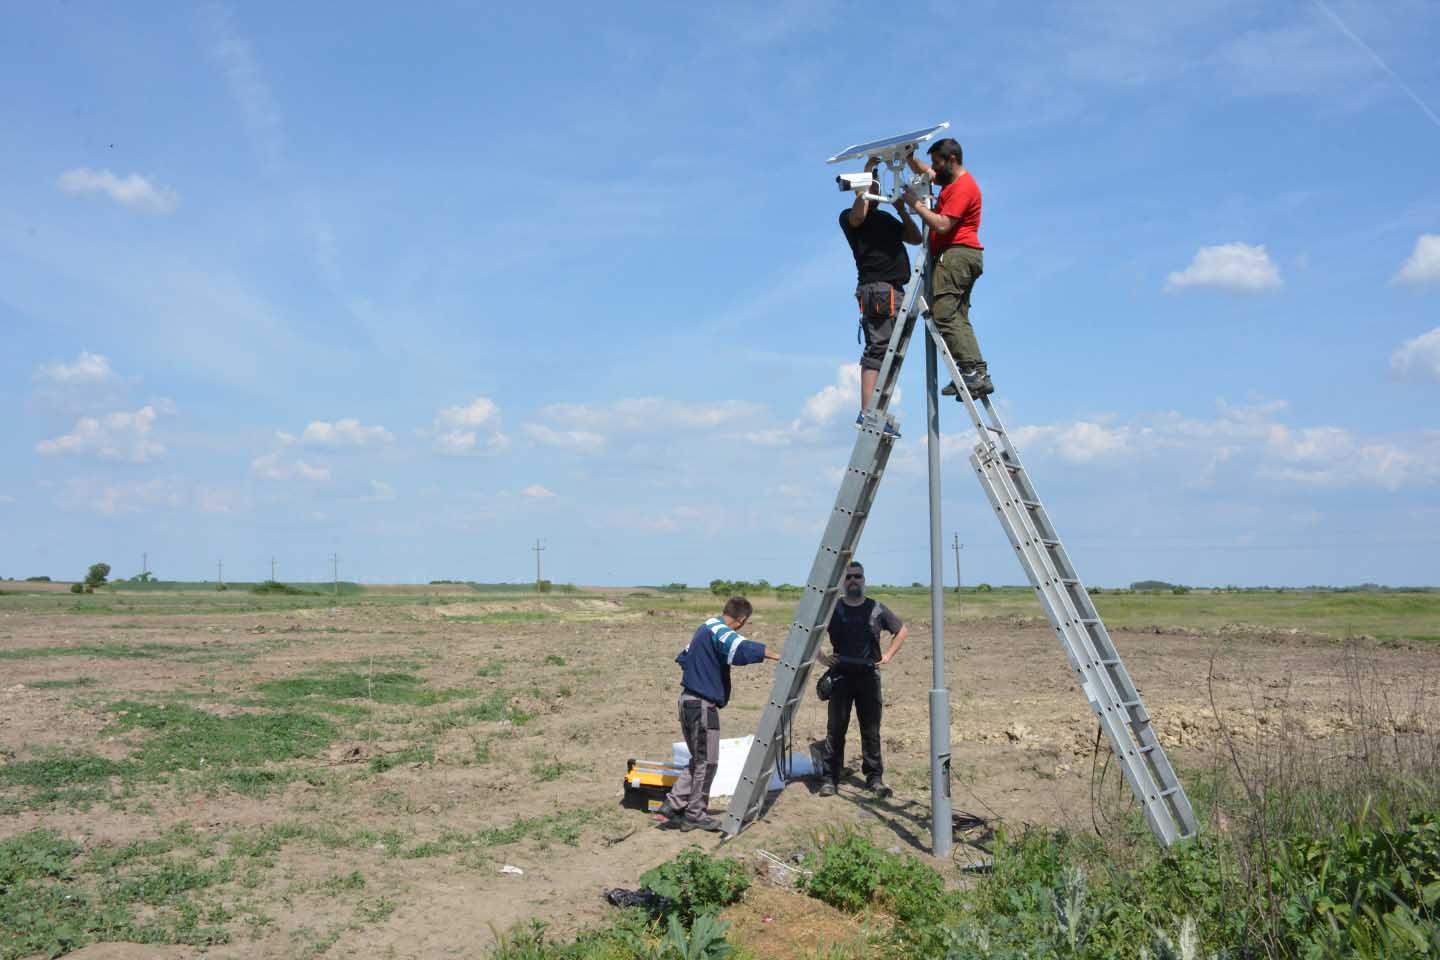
828 789
707 823
877 787
978 383
889 430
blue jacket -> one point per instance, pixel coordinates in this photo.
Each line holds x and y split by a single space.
705 662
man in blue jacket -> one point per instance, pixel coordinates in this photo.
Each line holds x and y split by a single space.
705 666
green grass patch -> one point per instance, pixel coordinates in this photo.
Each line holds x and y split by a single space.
56 900
71 684
389 687
115 651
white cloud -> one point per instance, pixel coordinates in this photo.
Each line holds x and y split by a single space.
1079 442
840 397
381 491
115 436
651 413
1423 267
133 191
1249 443
1237 267
579 440
470 429
1418 359
343 433
88 369
537 491
273 466
6 498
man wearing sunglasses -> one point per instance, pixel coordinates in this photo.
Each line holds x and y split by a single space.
854 664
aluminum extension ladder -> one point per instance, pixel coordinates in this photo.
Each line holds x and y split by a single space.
822 588
1087 644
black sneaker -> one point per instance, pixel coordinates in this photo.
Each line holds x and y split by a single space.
877 787
828 789
707 823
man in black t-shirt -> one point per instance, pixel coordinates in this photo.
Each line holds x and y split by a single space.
854 666
877 241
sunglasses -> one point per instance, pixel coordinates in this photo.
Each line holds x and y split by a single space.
854 576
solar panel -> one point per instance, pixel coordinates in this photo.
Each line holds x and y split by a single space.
890 145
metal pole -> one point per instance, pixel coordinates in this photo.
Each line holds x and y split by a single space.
220 571
335 571
941 825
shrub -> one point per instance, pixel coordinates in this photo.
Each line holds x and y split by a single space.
542 586
96 575
984 588
674 588
696 883
77 588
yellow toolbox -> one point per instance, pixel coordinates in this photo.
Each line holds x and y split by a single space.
647 782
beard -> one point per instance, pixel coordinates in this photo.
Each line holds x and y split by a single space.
945 177
854 593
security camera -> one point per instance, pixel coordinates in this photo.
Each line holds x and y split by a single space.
858 181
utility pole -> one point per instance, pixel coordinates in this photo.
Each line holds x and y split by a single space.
272 568
220 571
958 547
537 548
144 564
335 571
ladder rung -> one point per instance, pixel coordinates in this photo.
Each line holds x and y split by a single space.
1169 793
1131 704
1048 542
1032 504
994 429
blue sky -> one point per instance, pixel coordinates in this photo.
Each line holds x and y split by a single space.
420 289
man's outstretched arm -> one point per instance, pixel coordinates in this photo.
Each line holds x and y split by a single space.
911 233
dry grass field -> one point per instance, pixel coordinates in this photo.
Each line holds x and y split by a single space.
298 776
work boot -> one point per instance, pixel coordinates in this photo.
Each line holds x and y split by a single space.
828 788
877 787
707 823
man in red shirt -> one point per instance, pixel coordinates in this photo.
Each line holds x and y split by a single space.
956 258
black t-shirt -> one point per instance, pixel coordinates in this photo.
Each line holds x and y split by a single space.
879 247
855 631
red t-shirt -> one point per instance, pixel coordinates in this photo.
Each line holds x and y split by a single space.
960 201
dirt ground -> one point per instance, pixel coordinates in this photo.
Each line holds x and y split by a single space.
596 675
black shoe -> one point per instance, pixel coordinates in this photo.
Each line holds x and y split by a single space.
877 787
949 390
978 383
828 789
707 823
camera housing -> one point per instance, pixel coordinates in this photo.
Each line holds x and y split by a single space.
858 181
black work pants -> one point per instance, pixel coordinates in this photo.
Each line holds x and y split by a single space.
860 688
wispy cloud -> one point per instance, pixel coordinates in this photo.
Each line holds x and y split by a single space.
276 466
88 369
1418 360
1237 267
1250 442
348 432
115 436
247 86
1423 267
471 428
133 191
538 492
582 441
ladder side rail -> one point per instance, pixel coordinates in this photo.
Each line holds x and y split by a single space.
852 506
1073 615
1144 729
1097 683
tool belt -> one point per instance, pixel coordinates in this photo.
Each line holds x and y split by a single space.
877 300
